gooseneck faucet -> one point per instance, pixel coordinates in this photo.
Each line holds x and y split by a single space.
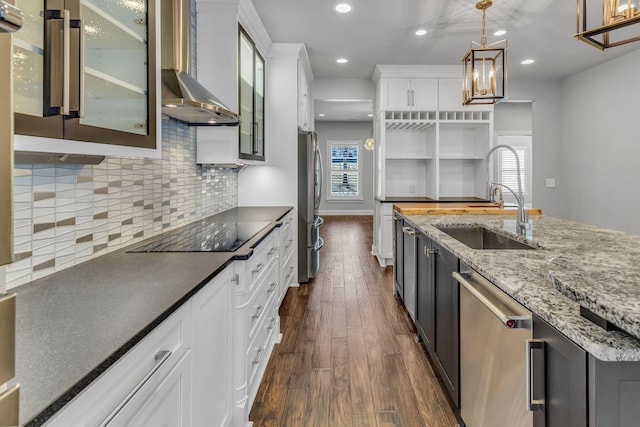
521 218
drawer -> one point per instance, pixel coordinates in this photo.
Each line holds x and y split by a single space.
287 242
263 257
261 302
156 355
257 355
288 271
287 221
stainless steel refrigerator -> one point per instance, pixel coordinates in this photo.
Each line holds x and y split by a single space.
309 195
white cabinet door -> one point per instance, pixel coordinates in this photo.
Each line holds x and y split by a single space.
168 406
424 94
212 350
396 94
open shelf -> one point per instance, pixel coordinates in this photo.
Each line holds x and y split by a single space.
468 116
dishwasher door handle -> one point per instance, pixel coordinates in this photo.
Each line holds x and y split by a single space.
507 320
537 404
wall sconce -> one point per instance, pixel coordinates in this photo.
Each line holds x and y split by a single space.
609 28
484 68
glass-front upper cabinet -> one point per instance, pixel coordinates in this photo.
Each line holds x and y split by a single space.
251 87
84 70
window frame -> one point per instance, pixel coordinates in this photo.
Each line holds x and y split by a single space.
330 197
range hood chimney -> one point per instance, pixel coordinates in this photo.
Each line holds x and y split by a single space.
183 98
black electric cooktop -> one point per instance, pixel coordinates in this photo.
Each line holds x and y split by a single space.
204 236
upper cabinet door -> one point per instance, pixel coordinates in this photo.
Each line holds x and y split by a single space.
410 94
424 94
252 90
85 70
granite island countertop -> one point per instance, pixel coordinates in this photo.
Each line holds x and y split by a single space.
577 255
73 325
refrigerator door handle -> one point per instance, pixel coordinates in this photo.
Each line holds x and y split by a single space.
318 177
318 222
319 244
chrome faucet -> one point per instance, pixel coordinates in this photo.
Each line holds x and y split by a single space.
521 218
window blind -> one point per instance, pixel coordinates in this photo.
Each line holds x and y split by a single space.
509 172
345 170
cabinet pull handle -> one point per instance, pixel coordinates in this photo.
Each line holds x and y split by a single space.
258 268
271 251
409 97
259 354
289 244
160 358
272 287
272 323
412 100
258 311
538 404
235 279
66 62
290 272
408 230
507 320
429 251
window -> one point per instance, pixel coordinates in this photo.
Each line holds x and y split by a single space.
251 88
344 174
506 167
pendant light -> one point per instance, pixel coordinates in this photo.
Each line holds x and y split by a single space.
484 68
609 28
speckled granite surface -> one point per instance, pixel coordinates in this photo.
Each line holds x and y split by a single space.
598 267
71 326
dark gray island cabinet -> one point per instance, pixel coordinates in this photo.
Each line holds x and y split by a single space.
567 385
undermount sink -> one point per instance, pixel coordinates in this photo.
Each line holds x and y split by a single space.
483 238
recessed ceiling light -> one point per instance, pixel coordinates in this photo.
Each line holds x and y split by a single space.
321 115
343 8
421 32
369 115
528 61
342 60
500 33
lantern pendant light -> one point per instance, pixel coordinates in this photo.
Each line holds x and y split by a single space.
610 28
484 68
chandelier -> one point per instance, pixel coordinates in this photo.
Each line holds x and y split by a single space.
610 27
484 68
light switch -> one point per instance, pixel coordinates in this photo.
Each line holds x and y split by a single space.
551 183
412 188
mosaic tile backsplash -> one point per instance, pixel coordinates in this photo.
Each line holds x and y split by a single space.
65 215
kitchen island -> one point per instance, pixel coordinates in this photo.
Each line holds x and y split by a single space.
576 286
72 326
526 276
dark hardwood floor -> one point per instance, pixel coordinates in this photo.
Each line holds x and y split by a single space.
348 355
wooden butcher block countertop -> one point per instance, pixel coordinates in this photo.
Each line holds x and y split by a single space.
458 209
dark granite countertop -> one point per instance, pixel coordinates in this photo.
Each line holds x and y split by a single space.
72 325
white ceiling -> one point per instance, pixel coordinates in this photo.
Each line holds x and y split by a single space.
382 32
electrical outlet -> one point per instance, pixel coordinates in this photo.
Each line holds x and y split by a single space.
412 188
551 183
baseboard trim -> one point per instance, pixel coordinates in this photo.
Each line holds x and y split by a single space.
345 212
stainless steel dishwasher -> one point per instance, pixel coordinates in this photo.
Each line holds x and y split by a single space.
494 330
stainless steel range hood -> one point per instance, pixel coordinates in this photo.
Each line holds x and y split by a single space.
183 98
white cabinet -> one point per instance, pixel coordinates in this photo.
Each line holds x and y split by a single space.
156 369
429 144
212 346
256 321
102 99
288 263
409 94
166 406
304 99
